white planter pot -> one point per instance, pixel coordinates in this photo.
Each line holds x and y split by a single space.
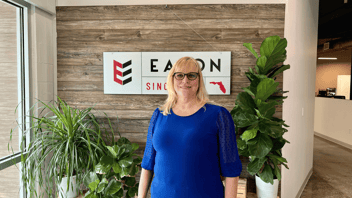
266 190
62 187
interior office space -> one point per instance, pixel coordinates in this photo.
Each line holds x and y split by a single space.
306 114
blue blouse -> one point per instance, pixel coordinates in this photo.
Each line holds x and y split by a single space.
189 153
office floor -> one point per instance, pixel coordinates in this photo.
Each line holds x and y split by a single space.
332 168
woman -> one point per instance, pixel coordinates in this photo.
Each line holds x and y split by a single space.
191 142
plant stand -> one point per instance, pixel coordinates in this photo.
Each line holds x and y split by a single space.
253 195
241 188
81 196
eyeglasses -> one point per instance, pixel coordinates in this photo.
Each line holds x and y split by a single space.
190 76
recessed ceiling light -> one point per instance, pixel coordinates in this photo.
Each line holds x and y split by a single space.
326 58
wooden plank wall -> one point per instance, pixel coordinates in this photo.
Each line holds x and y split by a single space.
84 33
8 95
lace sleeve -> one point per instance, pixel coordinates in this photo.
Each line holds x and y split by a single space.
148 160
230 163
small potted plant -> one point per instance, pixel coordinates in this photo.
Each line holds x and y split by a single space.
115 172
65 143
262 137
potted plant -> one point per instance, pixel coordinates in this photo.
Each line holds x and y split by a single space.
262 139
64 145
115 172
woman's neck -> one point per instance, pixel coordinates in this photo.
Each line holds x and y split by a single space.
187 104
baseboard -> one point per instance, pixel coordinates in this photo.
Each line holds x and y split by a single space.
333 140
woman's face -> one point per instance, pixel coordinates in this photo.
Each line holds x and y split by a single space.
186 88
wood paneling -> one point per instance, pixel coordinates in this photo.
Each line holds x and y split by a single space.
84 33
224 11
95 73
170 24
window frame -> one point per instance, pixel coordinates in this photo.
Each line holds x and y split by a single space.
23 90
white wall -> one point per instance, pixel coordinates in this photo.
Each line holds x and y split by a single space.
333 120
47 5
43 48
42 52
301 25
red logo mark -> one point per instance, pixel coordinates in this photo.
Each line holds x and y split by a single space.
222 87
122 74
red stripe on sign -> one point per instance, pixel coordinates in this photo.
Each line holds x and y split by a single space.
119 73
118 81
117 64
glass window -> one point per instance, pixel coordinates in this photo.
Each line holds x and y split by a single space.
14 93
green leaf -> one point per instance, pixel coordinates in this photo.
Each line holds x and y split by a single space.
274 49
281 159
262 146
241 144
122 141
278 71
249 91
261 62
89 178
130 181
133 169
137 160
271 128
277 173
250 48
92 186
255 165
267 109
104 182
243 119
266 88
99 168
244 152
135 146
268 45
278 143
90 194
112 151
106 162
245 102
249 134
277 56
267 174
119 193
113 187
120 152
132 191
258 70
116 149
116 167
125 162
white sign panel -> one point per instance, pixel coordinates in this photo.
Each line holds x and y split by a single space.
146 72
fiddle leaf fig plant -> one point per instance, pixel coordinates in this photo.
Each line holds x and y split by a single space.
115 172
262 138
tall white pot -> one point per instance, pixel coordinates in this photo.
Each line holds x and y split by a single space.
63 193
266 190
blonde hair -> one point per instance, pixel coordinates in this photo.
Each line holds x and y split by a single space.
202 93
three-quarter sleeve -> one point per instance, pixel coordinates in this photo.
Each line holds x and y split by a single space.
148 160
230 163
